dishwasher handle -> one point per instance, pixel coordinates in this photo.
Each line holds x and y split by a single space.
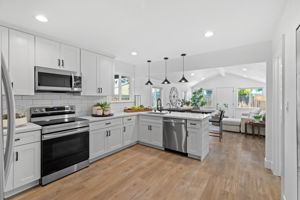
174 121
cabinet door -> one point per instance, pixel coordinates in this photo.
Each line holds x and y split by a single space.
89 73
156 135
194 142
70 57
27 159
21 62
129 135
144 133
47 53
4 43
114 140
97 143
105 75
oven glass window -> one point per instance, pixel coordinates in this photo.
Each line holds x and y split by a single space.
59 153
54 80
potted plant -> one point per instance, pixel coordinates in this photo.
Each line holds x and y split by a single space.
257 118
19 120
97 109
185 103
197 99
105 107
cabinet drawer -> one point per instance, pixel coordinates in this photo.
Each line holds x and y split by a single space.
106 124
27 137
151 120
129 120
194 124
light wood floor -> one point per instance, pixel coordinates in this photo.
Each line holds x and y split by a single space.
233 170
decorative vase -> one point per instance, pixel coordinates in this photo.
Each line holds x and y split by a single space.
97 110
106 111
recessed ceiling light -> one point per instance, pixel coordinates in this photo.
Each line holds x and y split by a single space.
209 34
41 18
192 74
244 69
203 78
133 53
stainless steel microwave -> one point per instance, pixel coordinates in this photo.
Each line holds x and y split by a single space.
56 80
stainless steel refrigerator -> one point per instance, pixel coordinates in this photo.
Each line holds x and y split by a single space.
298 106
7 139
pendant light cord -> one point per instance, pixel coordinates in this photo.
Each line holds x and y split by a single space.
183 65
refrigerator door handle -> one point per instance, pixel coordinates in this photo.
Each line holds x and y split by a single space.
8 155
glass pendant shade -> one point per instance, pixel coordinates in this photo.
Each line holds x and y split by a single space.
149 82
166 81
183 79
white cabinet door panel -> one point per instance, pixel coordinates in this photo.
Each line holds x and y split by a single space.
89 73
194 142
27 163
21 62
47 53
144 133
4 43
97 143
156 135
70 57
129 134
105 75
114 140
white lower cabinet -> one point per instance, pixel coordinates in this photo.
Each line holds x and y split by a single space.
97 142
114 139
151 130
129 134
27 163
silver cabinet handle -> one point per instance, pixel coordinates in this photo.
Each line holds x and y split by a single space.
10 100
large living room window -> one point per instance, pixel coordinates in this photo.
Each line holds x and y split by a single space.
251 97
208 97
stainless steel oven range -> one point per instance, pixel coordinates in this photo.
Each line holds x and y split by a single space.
65 141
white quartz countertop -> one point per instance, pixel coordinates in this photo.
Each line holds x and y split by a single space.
25 128
180 115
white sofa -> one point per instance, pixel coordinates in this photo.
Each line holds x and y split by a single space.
232 124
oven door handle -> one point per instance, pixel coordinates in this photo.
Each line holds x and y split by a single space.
64 133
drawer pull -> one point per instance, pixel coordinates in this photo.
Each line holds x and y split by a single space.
129 119
107 123
193 124
17 139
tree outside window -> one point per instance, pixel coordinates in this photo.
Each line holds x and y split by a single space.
208 97
121 88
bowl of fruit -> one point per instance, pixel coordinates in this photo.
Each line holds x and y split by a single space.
140 108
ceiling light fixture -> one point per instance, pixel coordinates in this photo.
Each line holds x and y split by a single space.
133 53
166 81
209 34
183 79
244 69
149 82
41 18
192 74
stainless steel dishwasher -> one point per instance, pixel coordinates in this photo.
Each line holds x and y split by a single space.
175 134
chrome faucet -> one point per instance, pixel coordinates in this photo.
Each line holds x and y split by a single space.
158 105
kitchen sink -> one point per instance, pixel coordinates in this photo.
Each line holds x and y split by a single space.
158 113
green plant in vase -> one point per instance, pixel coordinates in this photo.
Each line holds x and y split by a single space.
257 117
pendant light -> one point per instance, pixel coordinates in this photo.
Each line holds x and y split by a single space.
166 81
183 79
149 82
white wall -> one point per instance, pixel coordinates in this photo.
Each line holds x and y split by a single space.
287 26
232 81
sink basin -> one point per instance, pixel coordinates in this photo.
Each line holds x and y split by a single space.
158 113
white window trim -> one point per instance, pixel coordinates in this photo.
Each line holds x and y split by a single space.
130 89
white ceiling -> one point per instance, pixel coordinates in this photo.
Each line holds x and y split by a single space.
255 71
153 28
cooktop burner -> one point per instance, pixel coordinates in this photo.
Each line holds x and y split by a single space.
59 121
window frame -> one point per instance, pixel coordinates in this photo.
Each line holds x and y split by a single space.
212 98
119 88
237 95
161 96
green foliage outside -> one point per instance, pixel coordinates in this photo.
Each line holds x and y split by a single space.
197 99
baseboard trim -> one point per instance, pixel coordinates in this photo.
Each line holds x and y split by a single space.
21 189
151 145
268 163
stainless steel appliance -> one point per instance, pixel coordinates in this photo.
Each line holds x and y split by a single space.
6 151
175 134
56 80
65 141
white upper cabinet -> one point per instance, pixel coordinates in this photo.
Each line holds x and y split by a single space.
70 58
56 55
97 74
47 53
89 73
105 75
21 62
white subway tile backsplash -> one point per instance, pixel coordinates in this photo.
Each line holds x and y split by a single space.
83 103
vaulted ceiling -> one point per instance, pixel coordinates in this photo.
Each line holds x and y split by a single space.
152 28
